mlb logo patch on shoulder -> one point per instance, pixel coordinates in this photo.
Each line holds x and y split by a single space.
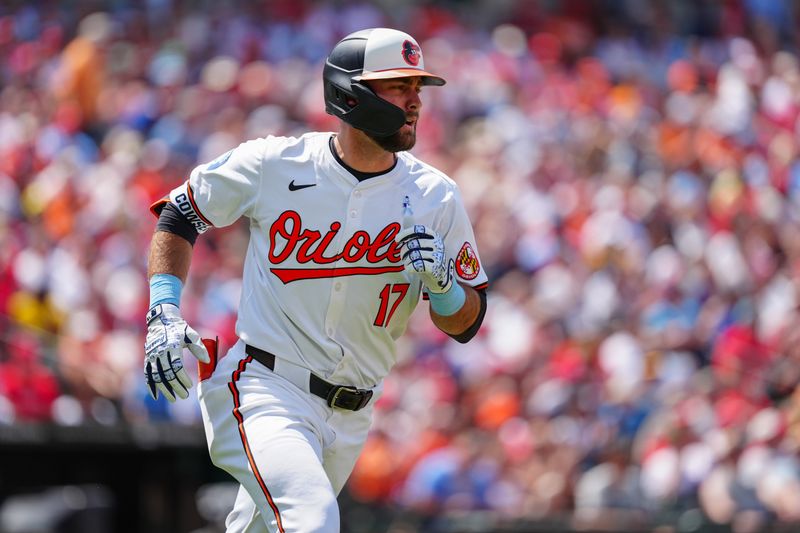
218 162
467 265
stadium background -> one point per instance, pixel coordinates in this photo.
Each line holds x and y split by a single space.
631 169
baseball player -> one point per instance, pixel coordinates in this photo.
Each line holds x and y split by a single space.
347 232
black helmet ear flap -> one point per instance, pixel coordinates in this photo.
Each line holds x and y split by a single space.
358 105
373 114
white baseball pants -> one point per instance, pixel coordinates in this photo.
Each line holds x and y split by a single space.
290 452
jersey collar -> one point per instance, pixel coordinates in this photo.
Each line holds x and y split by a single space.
331 164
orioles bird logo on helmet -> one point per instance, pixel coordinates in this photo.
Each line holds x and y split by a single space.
411 53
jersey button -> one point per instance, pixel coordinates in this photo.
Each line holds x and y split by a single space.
353 213
338 286
329 331
357 194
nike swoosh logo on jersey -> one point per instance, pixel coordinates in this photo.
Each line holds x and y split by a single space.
293 187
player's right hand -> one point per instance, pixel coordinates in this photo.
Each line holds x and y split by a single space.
167 335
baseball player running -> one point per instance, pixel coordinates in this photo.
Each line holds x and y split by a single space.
347 232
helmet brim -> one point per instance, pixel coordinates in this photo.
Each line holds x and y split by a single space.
427 77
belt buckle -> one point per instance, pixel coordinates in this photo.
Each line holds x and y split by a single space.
364 396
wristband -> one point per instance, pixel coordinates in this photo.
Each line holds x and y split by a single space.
165 289
448 303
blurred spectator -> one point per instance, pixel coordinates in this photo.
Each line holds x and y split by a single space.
30 387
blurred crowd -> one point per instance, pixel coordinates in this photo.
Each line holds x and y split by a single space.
632 174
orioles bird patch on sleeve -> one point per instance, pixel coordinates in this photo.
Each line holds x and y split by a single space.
467 264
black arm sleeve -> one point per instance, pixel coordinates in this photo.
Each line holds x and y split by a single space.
172 220
465 337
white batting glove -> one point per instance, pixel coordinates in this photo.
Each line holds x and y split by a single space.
423 254
167 336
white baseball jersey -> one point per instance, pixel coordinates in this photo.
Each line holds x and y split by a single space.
323 283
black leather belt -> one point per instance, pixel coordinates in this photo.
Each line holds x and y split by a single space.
341 396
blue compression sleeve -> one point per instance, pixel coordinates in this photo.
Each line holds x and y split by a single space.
165 289
448 303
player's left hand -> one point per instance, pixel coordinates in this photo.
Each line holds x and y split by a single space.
167 335
424 254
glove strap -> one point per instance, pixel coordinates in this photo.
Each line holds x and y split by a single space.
154 312
165 289
448 303
162 310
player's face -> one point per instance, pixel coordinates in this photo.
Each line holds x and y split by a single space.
404 93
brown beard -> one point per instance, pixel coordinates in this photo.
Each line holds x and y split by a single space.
396 142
